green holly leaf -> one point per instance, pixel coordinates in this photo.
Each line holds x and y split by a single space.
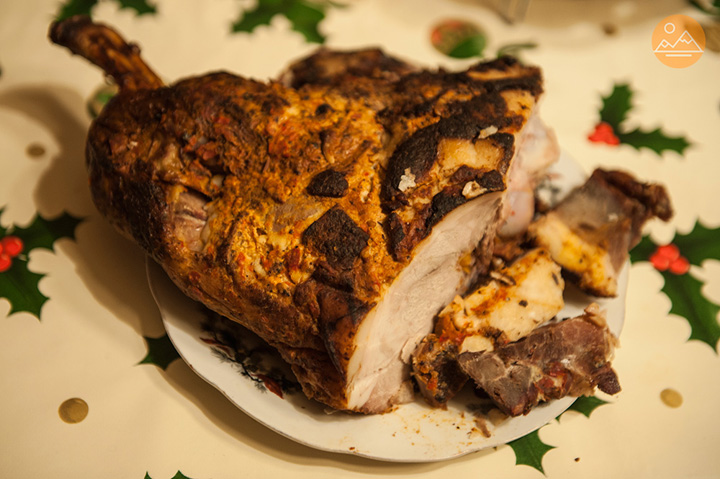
18 284
161 352
614 112
75 7
304 16
712 9
685 293
699 244
616 105
85 7
178 475
654 140
305 19
529 450
141 7
586 405
473 46
42 233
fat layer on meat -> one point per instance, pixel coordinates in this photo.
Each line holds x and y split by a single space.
334 215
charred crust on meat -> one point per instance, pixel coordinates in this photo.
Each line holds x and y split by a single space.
323 109
329 183
402 237
341 279
332 67
340 315
653 197
336 236
436 371
443 203
418 153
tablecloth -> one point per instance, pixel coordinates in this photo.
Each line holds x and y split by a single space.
91 387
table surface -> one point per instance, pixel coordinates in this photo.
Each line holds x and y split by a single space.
79 327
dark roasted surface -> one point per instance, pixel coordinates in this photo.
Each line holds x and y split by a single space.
269 203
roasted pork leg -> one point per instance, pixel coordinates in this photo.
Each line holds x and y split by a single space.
333 215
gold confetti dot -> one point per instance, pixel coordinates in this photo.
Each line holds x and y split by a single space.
73 411
609 29
35 150
671 397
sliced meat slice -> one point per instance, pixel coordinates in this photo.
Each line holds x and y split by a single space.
591 231
509 307
569 358
518 299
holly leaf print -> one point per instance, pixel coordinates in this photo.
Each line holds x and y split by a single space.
699 244
616 106
470 47
75 7
685 293
712 9
85 7
18 284
304 16
178 475
141 7
585 405
611 128
42 233
529 450
654 140
682 288
161 352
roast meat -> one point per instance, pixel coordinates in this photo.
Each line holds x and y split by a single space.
334 213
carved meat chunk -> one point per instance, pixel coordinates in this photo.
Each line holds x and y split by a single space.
571 357
591 231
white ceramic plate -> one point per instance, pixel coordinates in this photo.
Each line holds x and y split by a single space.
414 432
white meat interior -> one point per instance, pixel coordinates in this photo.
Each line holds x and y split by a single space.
379 369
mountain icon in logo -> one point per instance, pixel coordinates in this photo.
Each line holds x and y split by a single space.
678 41
683 46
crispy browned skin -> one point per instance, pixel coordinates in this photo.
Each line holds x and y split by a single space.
279 207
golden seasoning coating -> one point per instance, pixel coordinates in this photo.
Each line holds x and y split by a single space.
294 207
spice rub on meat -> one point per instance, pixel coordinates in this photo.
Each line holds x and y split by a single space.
333 213
337 211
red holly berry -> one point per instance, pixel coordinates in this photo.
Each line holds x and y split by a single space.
11 246
660 262
668 257
680 266
604 133
5 262
669 251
